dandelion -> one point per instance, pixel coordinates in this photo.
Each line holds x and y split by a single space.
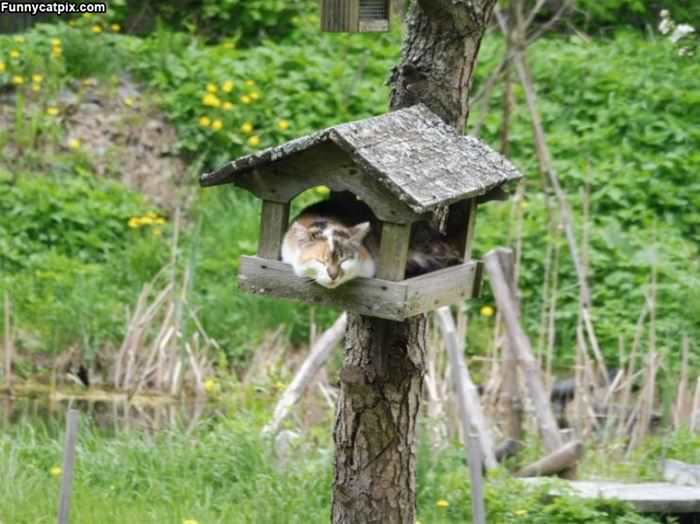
216 125
128 101
14 54
487 311
211 100
2 67
56 52
74 143
19 39
55 42
212 88
254 95
246 99
115 28
204 121
18 80
250 83
210 385
227 106
52 111
134 222
189 521
37 79
227 86
254 141
247 128
96 29
56 471
442 503
282 125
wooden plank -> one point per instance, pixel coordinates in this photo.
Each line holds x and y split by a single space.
393 251
340 16
366 296
325 165
452 285
647 497
373 26
72 422
560 460
274 221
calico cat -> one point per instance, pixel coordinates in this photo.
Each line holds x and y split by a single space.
334 241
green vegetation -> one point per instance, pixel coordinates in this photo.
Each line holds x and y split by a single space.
223 472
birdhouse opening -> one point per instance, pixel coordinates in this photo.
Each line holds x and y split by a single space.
374 10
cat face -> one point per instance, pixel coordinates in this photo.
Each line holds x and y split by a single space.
330 253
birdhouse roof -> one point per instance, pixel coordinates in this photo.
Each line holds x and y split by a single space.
420 159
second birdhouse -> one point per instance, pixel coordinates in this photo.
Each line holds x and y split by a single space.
404 167
355 16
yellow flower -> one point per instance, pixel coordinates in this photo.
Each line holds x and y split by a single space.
14 54
36 87
19 39
250 83
247 128
96 29
210 385
128 101
216 125
56 471
254 141
227 106
74 143
486 311
520 513
18 80
134 222
146 220
229 45
189 521
227 86
116 28
442 503
55 42
246 99
283 125
56 51
204 121
212 88
2 67
37 79
52 111
159 221
211 100
254 95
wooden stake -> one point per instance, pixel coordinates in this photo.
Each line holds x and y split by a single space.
72 422
8 342
680 407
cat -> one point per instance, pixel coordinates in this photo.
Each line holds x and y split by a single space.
335 241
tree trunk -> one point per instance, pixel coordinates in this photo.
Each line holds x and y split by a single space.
382 377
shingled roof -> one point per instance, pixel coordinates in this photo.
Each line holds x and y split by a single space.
420 159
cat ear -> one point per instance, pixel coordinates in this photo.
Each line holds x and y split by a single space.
359 232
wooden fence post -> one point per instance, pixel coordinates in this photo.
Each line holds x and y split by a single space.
72 422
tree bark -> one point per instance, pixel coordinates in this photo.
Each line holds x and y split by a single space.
382 377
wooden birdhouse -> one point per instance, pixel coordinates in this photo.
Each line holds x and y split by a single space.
355 16
405 166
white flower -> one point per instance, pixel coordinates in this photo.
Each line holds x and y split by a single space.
685 51
681 31
664 13
666 26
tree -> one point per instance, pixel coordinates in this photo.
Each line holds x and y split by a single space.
382 376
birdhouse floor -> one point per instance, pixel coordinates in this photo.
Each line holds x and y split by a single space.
366 296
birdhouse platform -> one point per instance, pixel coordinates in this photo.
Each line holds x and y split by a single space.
405 166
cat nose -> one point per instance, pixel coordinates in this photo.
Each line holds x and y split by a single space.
333 272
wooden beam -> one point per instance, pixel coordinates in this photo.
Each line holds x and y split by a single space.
556 462
274 221
393 251
340 16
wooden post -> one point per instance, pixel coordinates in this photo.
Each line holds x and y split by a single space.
8 342
72 422
393 251
273 225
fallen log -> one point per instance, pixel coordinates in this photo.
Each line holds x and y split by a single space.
557 462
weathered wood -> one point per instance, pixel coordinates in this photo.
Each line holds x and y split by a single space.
468 402
681 473
72 422
556 462
9 342
368 296
274 221
647 497
320 351
393 251
421 161
526 360
340 16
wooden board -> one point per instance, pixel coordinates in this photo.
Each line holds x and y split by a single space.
647 497
367 296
